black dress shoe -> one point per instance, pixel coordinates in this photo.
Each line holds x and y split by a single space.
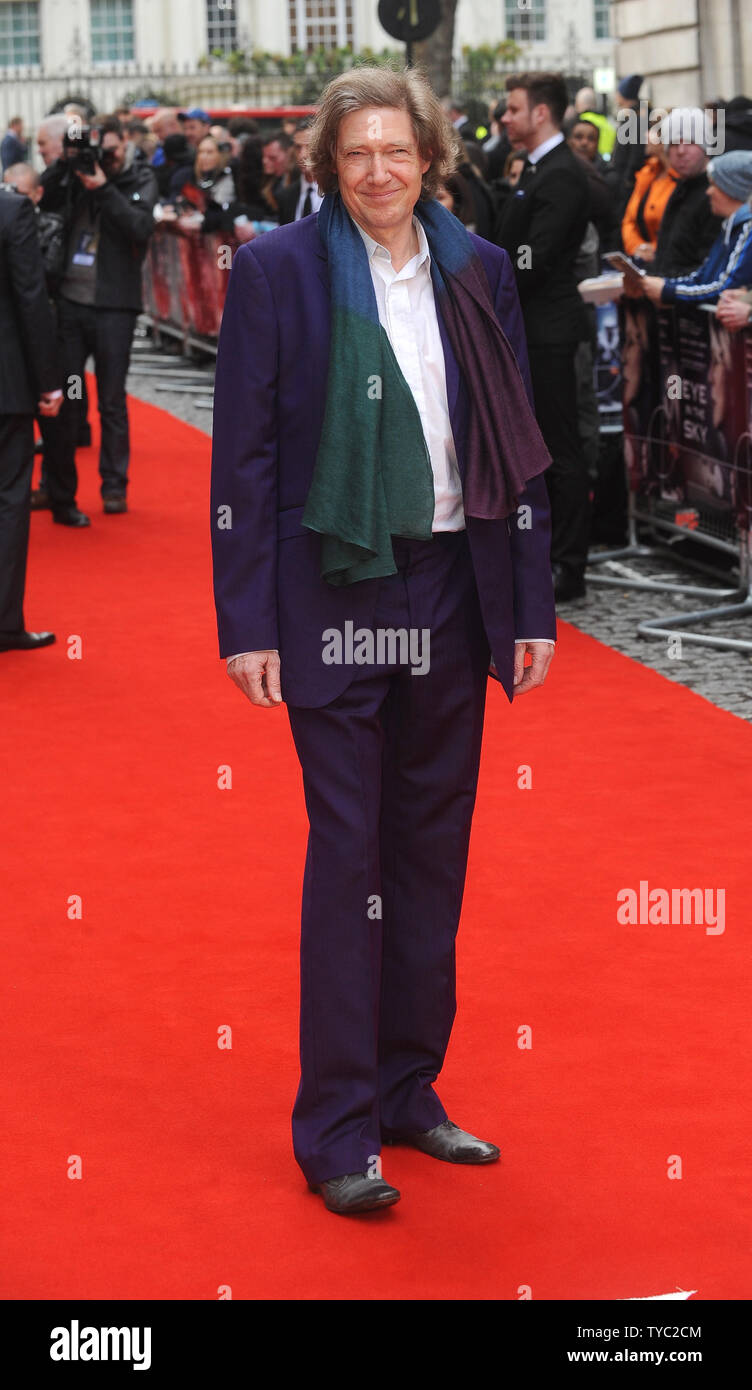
25 641
355 1192
451 1143
40 500
568 586
70 516
115 503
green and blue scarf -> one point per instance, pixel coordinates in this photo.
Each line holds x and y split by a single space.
373 477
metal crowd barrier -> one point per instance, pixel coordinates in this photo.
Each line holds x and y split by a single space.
686 388
185 279
687 415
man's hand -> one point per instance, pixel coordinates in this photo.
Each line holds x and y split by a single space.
94 180
632 284
527 677
49 402
244 231
652 285
257 674
733 313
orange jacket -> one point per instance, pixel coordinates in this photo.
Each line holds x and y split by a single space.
659 183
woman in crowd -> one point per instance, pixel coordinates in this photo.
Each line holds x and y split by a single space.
456 195
654 183
210 187
513 166
252 182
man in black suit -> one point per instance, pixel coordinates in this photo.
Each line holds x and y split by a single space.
542 226
302 197
30 380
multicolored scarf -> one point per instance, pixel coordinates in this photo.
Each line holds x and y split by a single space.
373 477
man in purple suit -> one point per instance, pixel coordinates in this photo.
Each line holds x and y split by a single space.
380 532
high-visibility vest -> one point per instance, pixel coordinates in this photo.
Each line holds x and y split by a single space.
606 132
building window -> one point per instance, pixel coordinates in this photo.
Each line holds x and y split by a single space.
320 24
112 31
19 34
221 25
602 18
526 24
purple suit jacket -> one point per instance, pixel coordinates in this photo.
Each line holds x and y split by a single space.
269 400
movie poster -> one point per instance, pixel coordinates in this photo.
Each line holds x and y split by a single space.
707 405
608 382
641 392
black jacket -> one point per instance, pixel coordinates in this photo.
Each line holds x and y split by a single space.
626 159
688 229
287 202
602 208
541 224
28 354
126 202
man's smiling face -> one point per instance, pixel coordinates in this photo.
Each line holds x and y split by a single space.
379 168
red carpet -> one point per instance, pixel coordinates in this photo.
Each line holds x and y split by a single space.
640 1033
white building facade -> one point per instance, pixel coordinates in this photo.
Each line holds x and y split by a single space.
49 47
689 51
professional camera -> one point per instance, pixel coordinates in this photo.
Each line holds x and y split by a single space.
81 148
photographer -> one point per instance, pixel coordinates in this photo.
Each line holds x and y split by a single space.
107 209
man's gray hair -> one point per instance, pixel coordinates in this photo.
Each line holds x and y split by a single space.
11 173
55 126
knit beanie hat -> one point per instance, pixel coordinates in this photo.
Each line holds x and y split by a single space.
732 173
629 87
684 125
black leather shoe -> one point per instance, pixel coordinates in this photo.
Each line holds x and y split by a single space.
25 641
355 1192
451 1143
115 503
70 516
40 501
568 586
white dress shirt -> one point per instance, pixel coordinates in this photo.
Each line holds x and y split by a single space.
544 148
407 313
316 198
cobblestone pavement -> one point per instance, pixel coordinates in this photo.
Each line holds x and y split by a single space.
611 614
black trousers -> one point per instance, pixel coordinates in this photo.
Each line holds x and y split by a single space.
16 460
555 391
390 770
106 334
59 474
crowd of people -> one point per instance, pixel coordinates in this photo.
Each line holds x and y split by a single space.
569 185
555 183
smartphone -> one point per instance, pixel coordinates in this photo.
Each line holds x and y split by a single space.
624 263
